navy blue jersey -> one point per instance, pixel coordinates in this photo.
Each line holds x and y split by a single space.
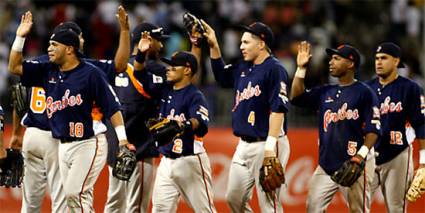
346 115
70 97
36 115
182 105
401 102
259 90
137 107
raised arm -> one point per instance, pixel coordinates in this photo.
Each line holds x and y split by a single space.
303 58
212 41
122 54
142 50
15 58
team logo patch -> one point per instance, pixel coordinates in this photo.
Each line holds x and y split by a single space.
203 112
329 100
342 114
282 93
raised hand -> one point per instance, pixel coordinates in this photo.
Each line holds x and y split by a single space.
304 55
122 17
145 42
25 26
210 35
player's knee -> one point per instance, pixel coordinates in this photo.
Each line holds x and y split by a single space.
233 198
313 205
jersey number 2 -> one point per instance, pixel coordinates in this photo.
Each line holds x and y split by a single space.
38 100
76 129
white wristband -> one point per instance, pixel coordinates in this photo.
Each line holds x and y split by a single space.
270 143
422 156
300 73
363 151
18 44
120 130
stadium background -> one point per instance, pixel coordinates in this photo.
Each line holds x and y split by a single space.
324 23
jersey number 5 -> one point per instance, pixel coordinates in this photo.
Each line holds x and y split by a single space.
352 148
38 100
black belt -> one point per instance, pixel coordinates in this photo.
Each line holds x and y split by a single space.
69 140
250 139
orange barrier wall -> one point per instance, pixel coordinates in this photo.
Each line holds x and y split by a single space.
220 144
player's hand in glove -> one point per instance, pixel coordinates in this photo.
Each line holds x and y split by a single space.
12 169
350 171
271 175
125 162
417 188
165 130
19 99
194 28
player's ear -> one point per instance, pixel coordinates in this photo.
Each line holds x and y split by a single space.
187 71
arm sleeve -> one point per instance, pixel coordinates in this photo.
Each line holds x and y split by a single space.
199 111
104 95
309 99
416 110
371 112
153 84
223 74
34 73
278 90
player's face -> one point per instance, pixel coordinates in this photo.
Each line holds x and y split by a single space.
56 52
175 73
250 46
385 64
338 66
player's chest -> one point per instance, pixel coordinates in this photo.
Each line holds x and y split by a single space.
66 86
251 83
174 106
341 100
391 100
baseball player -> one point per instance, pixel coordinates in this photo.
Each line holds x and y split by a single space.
138 105
40 149
71 86
258 114
185 168
400 101
343 110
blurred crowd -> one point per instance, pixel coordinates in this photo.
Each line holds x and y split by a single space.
324 23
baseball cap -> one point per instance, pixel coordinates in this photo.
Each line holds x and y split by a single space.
182 58
346 51
155 32
68 25
261 30
390 49
69 38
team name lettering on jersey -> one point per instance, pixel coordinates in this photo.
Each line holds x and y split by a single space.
54 106
342 114
387 106
246 94
172 116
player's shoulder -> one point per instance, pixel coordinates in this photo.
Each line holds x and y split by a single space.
403 81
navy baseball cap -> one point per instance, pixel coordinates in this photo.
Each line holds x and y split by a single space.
261 30
346 51
68 25
155 32
69 38
390 49
182 58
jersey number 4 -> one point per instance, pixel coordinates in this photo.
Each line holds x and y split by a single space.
38 100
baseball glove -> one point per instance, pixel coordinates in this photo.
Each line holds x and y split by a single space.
19 99
350 171
271 175
417 188
164 130
194 28
125 162
12 169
